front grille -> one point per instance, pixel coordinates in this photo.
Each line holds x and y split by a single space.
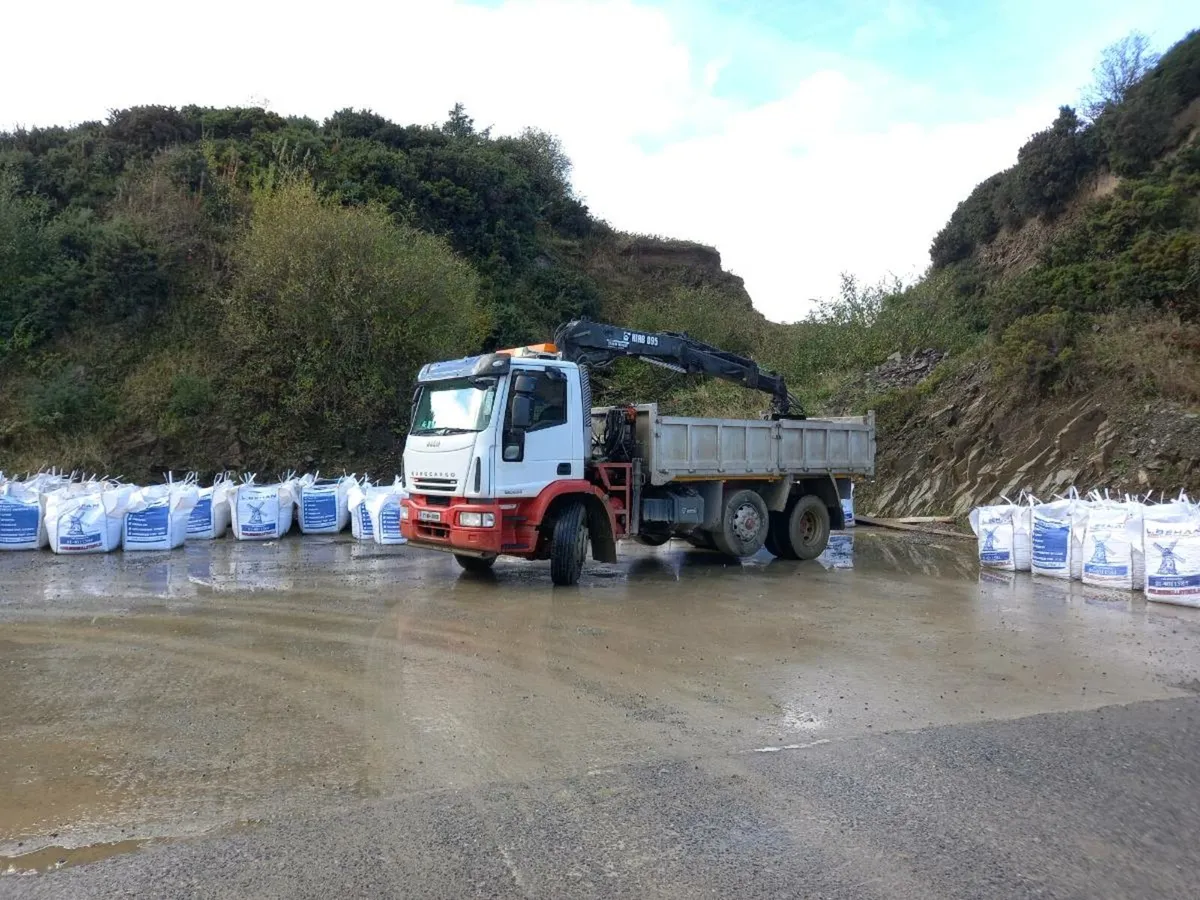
434 485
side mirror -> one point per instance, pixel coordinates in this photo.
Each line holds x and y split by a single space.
522 412
524 384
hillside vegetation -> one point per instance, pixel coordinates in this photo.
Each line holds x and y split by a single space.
227 287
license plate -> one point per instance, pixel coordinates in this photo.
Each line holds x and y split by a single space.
429 515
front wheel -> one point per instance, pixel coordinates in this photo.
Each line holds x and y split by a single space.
568 545
476 564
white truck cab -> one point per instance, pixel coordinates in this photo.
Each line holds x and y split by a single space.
462 442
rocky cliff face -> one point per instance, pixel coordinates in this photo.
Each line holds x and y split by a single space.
639 263
959 445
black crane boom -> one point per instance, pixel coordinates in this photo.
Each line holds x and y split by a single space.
596 344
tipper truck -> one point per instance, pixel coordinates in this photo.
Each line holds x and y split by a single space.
506 456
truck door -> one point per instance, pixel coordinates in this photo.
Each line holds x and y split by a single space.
551 447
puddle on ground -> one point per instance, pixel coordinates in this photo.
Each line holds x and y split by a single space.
50 859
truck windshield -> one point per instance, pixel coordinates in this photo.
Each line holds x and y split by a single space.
454 406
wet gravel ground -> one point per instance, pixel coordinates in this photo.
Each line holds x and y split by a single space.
318 718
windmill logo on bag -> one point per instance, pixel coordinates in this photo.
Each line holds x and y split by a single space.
1166 564
256 513
989 540
75 528
1099 555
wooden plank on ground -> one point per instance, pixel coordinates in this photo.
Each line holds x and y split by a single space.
900 525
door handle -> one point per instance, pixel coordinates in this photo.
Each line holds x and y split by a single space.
564 468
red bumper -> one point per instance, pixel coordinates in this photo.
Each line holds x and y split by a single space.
439 527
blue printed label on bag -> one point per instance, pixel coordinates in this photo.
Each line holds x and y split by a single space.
148 526
18 522
319 509
200 520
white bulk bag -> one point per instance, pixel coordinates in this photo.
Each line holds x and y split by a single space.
22 526
262 512
1137 552
1004 538
360 519
323 505
86 517
1171 537
1106 559
383 506
211 516
157 516
848 505
1052 550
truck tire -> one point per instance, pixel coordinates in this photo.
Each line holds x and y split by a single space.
744 525
476 564
808 527
568 545
778 543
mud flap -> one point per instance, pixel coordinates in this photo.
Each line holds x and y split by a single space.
604 545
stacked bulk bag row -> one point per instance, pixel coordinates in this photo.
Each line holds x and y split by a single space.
375 511
1103 542
100 515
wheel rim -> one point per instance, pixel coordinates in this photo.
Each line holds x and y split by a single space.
581 539
746 523
808 527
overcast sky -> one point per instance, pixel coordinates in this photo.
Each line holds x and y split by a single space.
802 138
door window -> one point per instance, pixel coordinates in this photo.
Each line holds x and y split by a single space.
549 404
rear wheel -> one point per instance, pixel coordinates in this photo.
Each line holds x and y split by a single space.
808 527
744 525
568 545
476 564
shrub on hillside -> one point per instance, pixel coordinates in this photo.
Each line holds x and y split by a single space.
1138 129
973 222
1039 351
333 309
1051 166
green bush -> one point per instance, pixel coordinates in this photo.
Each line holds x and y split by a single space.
973 222
66 402
191 396
1052 165
334 308
1040 351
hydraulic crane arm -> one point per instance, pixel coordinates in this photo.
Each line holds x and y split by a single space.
595 344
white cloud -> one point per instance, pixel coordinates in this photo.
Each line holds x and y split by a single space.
792 192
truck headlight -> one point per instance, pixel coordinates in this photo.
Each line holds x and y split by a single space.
403 512
476 520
